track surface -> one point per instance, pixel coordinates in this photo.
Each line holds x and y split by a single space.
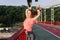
42 34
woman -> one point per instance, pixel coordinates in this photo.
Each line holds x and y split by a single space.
30 20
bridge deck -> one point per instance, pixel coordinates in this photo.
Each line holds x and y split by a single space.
42 34
55 30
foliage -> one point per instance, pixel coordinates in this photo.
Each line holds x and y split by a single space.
12 15
9 15
56 14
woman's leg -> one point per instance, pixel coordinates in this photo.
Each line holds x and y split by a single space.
31 36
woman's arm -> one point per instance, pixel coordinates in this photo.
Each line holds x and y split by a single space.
38 14
26 12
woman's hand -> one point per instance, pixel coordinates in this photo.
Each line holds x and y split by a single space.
38 12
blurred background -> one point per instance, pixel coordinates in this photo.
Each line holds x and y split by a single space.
12 14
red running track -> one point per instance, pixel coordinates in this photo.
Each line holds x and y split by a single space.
51 29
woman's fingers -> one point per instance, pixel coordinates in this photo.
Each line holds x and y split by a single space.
38 11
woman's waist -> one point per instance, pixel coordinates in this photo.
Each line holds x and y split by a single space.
28 28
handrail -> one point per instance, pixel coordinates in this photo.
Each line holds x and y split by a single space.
16 35
55 23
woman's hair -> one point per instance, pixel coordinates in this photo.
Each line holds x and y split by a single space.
33 12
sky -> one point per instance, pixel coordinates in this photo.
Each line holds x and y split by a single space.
42 3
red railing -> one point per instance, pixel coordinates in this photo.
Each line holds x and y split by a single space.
55 23
19 35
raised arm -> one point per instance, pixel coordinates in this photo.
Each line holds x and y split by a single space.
26 12
38 14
